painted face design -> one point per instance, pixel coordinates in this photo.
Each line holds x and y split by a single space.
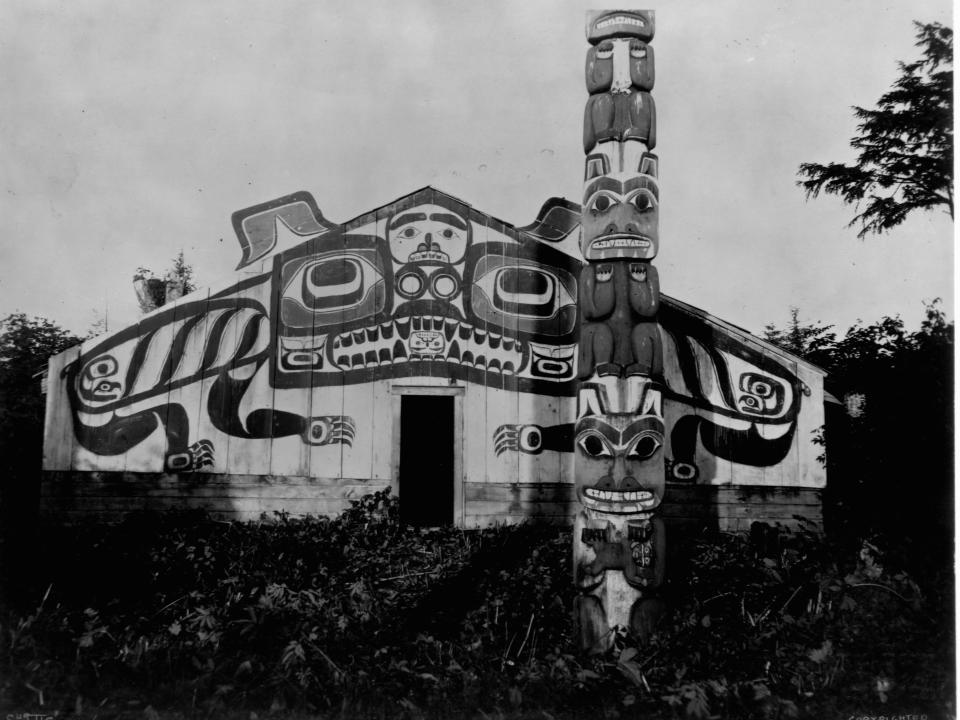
355 307
761 394
99 380
428 234
618 439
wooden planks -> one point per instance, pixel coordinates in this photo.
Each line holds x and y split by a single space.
811 458
112 494
725 507
728 507
58 437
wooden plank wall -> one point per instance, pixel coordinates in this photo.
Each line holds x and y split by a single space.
730 508
58 437
253 474
108 496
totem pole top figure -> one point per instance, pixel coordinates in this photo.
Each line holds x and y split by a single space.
606 24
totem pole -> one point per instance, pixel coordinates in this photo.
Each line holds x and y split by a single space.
619 541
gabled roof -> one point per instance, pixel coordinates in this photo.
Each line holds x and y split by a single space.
744 335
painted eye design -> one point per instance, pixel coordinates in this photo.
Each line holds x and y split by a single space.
409 232
524 291
593 445
518 293
331 289
332 283
100 367
762 395
605 50
444 285
645 446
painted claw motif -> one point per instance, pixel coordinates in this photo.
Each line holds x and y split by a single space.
196 456
509 438
330 429
533 439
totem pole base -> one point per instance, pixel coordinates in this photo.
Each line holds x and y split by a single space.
617 575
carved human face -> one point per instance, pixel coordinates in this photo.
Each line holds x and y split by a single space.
620 218
619 446
621 197
619 66
428 234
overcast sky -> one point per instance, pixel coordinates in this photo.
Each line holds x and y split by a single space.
132 130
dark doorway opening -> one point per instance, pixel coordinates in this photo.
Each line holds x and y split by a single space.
426 459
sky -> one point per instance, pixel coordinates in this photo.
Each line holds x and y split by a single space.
131 131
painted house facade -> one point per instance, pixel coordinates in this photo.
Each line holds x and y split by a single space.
423 346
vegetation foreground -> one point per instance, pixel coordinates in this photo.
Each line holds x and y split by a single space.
183 616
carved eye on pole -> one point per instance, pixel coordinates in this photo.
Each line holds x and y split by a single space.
644 446
643 200
594 445
601 202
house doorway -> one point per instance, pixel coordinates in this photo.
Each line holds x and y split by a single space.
426 474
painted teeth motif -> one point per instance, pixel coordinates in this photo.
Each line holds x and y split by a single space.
450 329
617 496
389 343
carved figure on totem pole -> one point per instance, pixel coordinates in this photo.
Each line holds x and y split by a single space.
635 71
619 544
619 287
619 333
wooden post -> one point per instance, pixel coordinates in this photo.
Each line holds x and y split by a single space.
619 541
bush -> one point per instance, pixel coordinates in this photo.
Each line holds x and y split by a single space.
361 616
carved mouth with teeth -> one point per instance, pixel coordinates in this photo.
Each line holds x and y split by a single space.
620 240
617 502
428 338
